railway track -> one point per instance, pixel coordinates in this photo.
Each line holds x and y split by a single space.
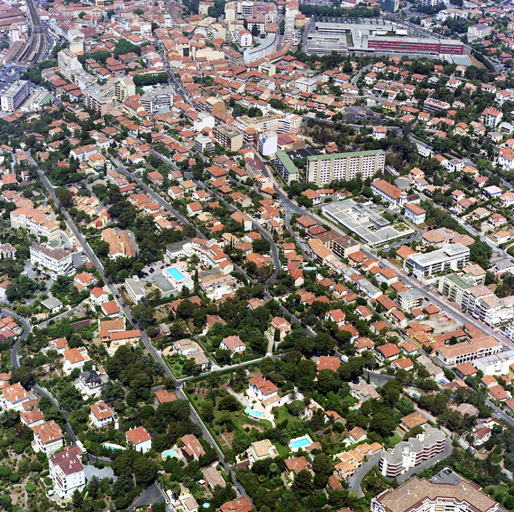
36 44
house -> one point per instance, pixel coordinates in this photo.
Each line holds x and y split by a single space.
407 423
90 383
13 397
191 447
234 344
388 351
282 325
98 296
337 316
213 477
262 388
296 464
100 414
328 363
32 418
74 358
260 450
356 435
241 504
140 438
67 472
48 438
163 396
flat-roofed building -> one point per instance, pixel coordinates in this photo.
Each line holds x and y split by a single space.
15 95
451 257
323 169
228 137
408 454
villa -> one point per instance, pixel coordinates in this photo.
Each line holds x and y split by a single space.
260 450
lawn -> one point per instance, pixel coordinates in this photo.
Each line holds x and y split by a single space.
374 483
392 441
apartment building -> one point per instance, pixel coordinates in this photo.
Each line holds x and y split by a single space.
68 63
35 222
451 257
340 245
408 454
204 144
420 495
454 286
157 100
468 351
286 166
433 106
485 305
53 262
97 100
123 88
323 169
228 137
389 193
67 472
209 252
15 95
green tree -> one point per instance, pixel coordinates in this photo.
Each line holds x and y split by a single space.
145 470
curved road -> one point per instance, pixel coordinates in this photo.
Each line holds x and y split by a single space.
146 340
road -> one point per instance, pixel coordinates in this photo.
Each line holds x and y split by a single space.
13 353
156 355
500 414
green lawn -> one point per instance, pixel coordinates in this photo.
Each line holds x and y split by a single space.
392 441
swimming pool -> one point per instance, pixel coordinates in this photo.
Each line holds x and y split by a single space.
253 412
112 446
169 453
176 274
300 442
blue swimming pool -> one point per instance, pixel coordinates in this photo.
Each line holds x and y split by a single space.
176 274
253 412
301 442
169 453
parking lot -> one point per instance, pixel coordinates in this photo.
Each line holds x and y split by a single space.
8 75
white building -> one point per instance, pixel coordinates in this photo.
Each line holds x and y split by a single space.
268 144
306 84
415 213
140 438
101 415
451 257
67 472
408 454
322 169
15 95
48 438
243 38
135 288
54 262
75 358
68 63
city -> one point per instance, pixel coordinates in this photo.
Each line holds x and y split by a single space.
257 255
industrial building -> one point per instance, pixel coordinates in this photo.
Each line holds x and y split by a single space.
380 37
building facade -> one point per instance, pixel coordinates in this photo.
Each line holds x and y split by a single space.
323 169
